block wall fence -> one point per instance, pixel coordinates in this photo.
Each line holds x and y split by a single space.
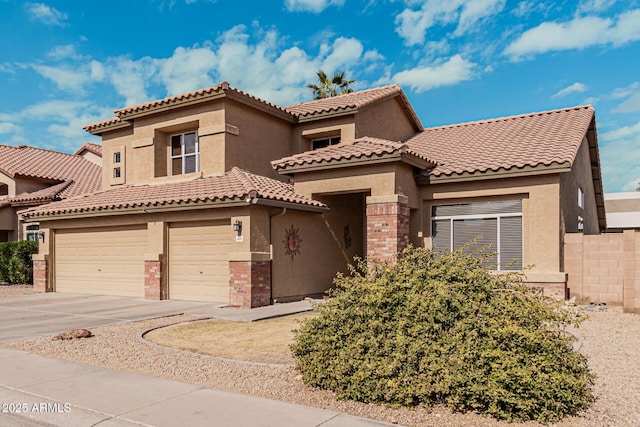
604 268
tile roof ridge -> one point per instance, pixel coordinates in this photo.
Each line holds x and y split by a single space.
359 92
512 117
48 150
121 111
244 178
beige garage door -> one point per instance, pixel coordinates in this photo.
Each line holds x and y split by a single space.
101 261
199 261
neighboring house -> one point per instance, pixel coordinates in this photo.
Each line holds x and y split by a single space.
91 152
623 211
217 195
31 176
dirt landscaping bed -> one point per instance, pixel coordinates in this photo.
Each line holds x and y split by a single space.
266 341
15 290
611 341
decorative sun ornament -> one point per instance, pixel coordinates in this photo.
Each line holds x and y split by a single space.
292 241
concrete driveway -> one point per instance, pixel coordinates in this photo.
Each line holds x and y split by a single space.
30 316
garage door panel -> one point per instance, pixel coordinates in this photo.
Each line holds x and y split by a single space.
105 261
198 261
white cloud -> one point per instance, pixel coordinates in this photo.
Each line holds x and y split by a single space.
67 51
45 14
7 128
620 158
313 6
589 6
412 25
630 105
65 78
623 92
577 87
578 33
187 69
131 78
344 52
423 78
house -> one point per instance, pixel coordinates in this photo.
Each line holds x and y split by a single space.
31 176
91 152
217 195
623 211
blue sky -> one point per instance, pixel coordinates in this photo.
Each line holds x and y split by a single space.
64 64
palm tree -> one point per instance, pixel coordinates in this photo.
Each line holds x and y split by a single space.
329 87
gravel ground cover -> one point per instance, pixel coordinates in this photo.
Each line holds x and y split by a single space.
611 342
15 290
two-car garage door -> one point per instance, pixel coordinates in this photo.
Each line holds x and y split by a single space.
110 261
107 261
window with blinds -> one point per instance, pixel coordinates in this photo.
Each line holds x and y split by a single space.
497 223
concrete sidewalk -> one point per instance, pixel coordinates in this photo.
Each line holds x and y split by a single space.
41 391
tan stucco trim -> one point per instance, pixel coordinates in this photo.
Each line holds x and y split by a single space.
143 142
546 277
509 173
218 129
387 198
250 256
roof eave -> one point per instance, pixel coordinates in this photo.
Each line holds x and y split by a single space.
100 129
347 111
492 174
340 163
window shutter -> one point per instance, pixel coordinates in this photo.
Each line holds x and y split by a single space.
484 230
441 235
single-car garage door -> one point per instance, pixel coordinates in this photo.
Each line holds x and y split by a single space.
107 261
199 261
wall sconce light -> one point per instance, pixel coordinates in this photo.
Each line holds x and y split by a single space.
41 236
237 226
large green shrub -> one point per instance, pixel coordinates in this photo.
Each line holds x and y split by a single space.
439 328
15 262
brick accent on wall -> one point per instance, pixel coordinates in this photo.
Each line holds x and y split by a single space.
153 280
249 283
604 268
387 229
40 275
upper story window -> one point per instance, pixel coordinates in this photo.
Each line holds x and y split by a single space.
580 198
4 190
324 142
185 153
117 160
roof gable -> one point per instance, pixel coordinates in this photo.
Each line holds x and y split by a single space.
350 103
547 139
362 150
48 165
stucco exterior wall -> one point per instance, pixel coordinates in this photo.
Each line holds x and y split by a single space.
540 207
305 132
580 176
327 243
260 139
146 147
385 119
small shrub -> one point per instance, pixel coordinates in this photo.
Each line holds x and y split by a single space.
439 328
16 266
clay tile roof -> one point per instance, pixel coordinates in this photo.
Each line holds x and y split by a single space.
365 147
47 165
545 138
235 185
94 148
114 121
42 196
345 102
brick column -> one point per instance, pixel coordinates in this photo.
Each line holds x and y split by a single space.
41 275
387 226
153 280
249 283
